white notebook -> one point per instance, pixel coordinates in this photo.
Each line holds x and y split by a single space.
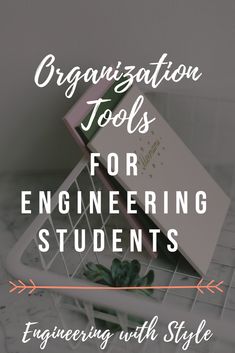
165 163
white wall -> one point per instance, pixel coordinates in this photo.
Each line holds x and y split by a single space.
206 125
88 32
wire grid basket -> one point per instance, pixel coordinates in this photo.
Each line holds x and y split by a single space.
25 261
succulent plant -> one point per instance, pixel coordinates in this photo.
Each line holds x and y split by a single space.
121 274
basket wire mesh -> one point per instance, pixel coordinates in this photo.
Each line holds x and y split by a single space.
70 265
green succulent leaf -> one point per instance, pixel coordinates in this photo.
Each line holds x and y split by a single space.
98 273
115 268
121 274
148 278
